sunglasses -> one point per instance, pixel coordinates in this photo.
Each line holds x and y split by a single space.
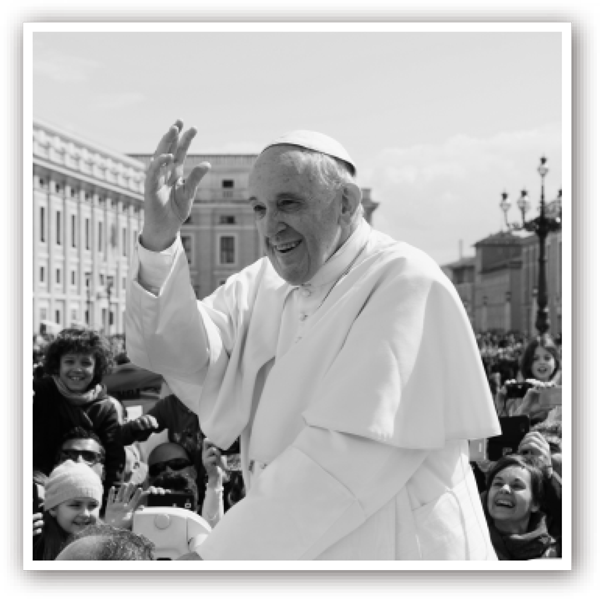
89 457
174 464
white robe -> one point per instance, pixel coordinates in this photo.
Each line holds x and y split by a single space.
362 425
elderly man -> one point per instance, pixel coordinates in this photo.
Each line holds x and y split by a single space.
343 358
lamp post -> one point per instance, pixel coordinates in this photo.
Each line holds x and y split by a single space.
541 226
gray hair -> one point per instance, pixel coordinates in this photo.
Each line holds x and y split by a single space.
330 171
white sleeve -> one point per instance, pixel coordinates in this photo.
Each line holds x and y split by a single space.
155 266
320 489
213 508
168 331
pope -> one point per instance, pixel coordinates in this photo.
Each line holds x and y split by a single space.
343 359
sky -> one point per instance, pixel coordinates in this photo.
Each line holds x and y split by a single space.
439 123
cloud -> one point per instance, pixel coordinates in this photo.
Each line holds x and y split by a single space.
61 67
435 195
117 100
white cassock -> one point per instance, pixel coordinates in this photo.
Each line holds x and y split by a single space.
354 415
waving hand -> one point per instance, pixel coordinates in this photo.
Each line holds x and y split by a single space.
168 197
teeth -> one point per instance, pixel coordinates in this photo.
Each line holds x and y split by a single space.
287 246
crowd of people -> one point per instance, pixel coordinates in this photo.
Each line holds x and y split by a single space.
88 461
90 473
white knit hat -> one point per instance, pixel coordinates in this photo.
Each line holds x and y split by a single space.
70 480
312 140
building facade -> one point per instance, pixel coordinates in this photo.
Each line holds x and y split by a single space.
88 210
505 273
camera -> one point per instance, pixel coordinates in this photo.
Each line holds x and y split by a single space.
174 531
517 390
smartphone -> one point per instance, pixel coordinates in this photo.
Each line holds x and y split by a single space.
551 397
184 500
477 450
514 428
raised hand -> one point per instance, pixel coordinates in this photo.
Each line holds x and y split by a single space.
168 198
121 504
535 444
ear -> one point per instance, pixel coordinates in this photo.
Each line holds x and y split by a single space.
52 512
535 507
351 199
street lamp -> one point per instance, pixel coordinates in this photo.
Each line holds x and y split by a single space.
541 226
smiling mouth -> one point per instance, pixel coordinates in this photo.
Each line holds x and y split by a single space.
284 248
504 503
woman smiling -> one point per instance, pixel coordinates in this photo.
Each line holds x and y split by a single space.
513 504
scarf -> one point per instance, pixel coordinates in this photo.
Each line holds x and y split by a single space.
78 399
530 545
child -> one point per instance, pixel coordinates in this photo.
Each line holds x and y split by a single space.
540 366
73 495
71 394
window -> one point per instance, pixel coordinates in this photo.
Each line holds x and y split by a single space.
87 233
73 231
73 278
42 274
74 315
124 242
58 229
227 249
226 219
42 223
124 283
57 316
88 279
186 241
101 279
100 228
58 276
73 192
57 188
227 183
43 313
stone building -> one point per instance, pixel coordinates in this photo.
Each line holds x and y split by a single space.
499 285
88 209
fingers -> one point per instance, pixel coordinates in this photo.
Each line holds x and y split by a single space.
193 180
181 149
156 168
165 145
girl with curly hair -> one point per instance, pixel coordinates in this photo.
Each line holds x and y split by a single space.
71 394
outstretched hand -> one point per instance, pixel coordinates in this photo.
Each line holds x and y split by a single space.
121 504
168 198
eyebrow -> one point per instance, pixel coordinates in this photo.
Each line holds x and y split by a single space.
284 195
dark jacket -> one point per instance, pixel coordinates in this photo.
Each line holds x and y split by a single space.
54 416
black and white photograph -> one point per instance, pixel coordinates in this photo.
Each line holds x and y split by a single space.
298 298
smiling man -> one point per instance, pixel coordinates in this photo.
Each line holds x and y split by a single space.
344 359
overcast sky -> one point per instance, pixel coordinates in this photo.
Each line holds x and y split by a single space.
438 123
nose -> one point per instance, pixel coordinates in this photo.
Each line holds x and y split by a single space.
272 224
79 458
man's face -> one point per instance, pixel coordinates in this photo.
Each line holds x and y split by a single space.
297 215
169 457
83 450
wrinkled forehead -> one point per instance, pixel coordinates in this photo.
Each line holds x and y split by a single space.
165 452
81 445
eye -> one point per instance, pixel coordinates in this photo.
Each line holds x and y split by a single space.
258 210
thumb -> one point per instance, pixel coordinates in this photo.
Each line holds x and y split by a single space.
196 175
